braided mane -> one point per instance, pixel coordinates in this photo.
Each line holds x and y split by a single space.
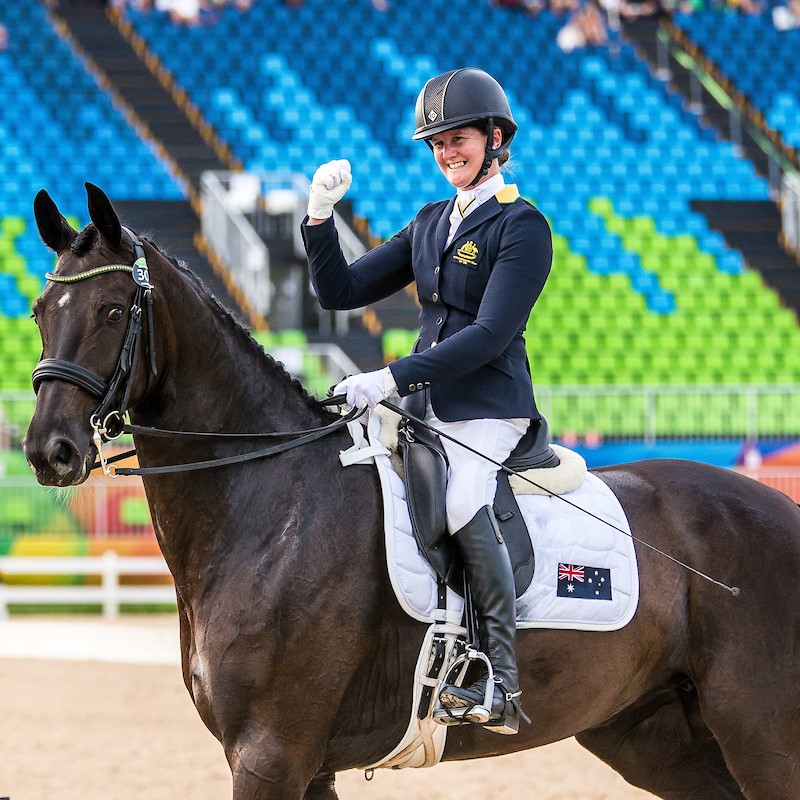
232 324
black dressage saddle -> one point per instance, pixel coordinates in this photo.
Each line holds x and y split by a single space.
425 477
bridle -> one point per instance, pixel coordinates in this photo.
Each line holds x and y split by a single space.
114 394
107 421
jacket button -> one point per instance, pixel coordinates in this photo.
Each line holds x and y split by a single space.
411 387
440 320
419 386
433 344
436 271
435 297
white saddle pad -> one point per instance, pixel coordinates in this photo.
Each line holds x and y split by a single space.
585 577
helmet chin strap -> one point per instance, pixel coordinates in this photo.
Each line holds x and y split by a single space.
491 153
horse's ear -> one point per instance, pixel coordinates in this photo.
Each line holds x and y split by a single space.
103 216
55 231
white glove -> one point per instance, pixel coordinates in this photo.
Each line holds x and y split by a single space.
328 186
367 388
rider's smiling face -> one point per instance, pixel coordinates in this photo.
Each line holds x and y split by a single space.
460 152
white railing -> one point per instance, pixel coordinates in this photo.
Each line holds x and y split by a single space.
287 193
790 211
236 243
280 193
654 412
110 594
263 204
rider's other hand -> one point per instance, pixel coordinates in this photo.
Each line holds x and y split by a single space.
367 388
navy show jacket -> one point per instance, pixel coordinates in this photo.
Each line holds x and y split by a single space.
475 295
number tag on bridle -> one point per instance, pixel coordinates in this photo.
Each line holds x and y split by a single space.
141 274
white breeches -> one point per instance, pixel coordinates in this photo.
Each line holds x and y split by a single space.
472 480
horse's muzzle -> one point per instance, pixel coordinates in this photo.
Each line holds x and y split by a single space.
57 461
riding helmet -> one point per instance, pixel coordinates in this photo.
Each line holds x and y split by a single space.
464 97
460 97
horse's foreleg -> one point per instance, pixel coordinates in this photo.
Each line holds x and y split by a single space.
269 766
664 747
322 788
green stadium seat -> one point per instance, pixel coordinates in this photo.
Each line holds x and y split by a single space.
11 227
397 343
601 206
291 337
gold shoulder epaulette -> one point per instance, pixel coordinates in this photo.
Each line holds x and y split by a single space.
508 194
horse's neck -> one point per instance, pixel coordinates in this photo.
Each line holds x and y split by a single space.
214 379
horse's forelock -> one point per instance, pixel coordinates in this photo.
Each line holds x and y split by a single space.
84 241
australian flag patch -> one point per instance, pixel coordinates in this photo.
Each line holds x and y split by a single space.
587 583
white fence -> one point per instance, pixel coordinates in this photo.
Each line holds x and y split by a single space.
236 243
790 211
110 593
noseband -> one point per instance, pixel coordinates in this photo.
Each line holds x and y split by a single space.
114 394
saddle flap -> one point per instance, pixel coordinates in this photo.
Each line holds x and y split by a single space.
425 477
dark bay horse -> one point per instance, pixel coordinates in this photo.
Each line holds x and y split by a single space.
295 651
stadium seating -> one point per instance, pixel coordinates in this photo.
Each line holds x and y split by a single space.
62 127
758 58
274 117
58 128
642 290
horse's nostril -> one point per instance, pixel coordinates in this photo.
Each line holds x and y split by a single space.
61 454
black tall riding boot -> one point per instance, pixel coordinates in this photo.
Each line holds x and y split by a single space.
488 571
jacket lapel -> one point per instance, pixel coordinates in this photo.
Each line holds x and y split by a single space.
484 211
443 226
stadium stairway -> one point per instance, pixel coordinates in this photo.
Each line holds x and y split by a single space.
752 227
173 225
94 32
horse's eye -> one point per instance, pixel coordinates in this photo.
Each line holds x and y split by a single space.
115 314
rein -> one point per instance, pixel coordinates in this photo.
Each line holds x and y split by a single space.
107 421
295 439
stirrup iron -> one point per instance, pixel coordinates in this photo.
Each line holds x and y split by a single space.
468 714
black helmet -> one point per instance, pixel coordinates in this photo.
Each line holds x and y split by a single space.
463 97
459 97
